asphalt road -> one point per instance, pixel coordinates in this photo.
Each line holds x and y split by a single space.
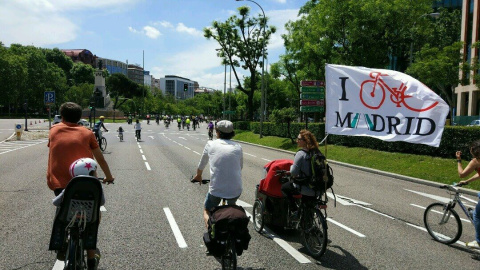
377 222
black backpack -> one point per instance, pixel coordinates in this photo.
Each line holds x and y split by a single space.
322 174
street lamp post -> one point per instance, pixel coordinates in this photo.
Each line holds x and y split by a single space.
262 101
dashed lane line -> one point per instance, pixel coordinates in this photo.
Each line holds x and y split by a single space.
176 231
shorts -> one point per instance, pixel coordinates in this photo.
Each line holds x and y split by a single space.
212 201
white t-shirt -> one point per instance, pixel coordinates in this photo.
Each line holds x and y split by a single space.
137 126
226 163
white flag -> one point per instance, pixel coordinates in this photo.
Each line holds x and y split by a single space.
384 104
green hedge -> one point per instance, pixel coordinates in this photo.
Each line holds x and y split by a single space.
454 138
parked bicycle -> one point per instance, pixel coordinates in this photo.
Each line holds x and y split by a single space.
310 220
442 221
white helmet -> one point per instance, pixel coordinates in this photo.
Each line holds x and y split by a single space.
83 166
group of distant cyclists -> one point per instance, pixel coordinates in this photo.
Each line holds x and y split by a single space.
224 155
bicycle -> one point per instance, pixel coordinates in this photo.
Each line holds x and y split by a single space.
442 221
228 256
138 135
397 95
210 134
310 220
76 222
102 143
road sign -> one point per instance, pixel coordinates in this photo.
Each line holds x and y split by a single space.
312 89
312 83
312 96
312 102
49 97
312 109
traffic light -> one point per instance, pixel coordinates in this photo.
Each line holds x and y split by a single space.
185 87
92 105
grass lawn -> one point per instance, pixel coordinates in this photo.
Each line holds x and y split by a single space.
435 169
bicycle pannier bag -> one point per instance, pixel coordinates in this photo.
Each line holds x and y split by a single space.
225 220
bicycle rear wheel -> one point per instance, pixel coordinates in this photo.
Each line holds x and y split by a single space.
442 223
104 144
314 232
229 259
75 255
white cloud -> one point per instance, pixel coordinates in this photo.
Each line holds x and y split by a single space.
281 1
45 22
191 31
164 24
279 18
36 24
151 32
148 31
199 64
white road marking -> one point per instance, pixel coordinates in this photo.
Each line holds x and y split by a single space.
139 146
196 153
345 227
425 230
283 244
151 137
249 154
182 138
176 231
431 196
141 151
243 204
187 148
180 144
59 265
148 166
347 201
103 209
266 159
144 158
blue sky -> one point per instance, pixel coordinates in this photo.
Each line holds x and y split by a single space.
170 32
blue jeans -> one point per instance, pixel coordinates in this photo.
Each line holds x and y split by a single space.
212 201
476 220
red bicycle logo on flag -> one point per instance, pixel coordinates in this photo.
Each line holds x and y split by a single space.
372 94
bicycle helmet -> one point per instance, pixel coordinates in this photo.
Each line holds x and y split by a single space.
83 166
102 117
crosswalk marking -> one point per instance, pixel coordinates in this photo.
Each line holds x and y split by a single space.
6 147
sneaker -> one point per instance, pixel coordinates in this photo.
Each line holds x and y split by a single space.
473 244
96 260
208 253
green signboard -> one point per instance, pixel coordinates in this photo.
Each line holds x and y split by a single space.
314 89
314 96
312 109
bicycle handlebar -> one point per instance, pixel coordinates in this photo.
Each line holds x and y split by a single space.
204 181
103 178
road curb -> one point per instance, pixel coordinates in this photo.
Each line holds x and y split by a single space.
389 174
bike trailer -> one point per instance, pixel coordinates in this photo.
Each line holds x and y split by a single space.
270 194
226 220
81 202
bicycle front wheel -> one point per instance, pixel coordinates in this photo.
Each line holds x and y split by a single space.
314 232
229 259
258 221
104 144
442 223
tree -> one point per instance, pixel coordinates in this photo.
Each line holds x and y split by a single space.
242 41
13 75
82 73
80 94
439 69
119 86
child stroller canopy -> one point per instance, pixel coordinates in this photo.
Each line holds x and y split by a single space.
271 185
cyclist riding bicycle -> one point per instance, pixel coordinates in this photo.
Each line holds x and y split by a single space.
226 163
97 129
473 166
138 129
188 123
120 132
300 169
210 130
78 142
